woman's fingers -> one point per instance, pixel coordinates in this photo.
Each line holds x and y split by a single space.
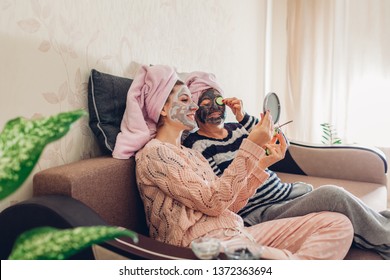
274 152
274 139
232 102
277 150
266 118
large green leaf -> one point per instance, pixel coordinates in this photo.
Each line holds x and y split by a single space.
48 243
22 142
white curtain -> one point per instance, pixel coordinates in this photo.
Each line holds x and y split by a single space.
338 69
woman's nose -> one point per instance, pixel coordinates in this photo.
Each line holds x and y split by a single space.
193 106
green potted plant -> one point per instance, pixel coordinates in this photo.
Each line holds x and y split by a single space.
21 144
329 135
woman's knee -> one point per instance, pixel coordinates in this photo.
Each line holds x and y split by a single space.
332 193
339 222
338 230
344 221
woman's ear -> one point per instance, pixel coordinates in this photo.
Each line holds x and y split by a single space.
164 111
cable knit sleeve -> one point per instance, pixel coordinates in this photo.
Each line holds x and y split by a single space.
185 176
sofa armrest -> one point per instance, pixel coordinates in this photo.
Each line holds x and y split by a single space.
52 210
65 212
106 185
345 162
146 249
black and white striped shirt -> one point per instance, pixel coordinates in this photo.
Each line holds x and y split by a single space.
221 152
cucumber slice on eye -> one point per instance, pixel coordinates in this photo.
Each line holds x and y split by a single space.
218 100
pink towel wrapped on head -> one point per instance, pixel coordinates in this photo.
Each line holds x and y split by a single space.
198 82
145 100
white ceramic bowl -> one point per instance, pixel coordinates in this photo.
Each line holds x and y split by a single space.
206 248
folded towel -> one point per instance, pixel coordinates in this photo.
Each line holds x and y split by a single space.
145 100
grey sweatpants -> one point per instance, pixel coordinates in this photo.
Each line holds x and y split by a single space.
371 229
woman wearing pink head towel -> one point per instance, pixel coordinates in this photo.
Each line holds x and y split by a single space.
184 199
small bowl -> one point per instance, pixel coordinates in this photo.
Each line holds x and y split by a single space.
206 248
242 250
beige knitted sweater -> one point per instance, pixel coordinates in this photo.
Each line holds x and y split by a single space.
184 199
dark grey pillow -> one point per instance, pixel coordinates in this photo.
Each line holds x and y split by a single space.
106 104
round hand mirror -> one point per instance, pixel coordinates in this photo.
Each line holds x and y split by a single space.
271 103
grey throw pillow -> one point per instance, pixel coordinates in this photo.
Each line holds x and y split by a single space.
106 104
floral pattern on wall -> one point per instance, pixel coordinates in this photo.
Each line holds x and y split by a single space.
72 92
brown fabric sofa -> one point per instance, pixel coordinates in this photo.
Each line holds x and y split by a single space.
108 187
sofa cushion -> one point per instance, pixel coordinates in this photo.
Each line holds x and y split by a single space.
106 104
372 194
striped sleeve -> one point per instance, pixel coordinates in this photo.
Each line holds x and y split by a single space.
249 122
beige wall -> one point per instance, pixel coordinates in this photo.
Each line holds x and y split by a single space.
47 48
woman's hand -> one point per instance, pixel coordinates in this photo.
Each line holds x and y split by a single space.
236 106
263 131
276 152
